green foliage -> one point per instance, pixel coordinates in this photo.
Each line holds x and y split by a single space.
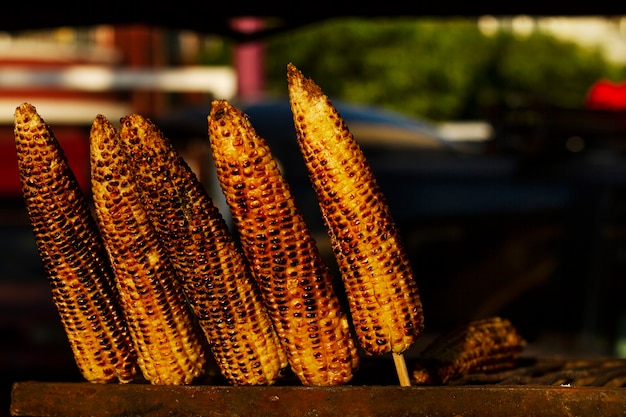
540 68
439 69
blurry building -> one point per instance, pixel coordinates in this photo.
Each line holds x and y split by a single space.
72 74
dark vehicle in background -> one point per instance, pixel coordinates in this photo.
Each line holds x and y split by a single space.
383 136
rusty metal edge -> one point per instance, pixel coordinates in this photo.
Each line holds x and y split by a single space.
79 399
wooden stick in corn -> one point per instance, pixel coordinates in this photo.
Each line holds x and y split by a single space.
216 279
485 345
73 254
296 284
168 345
379 282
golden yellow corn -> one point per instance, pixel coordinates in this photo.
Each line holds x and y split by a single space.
73 254
168 345
485 345
382 292
283 255
217 282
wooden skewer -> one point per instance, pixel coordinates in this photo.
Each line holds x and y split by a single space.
401 369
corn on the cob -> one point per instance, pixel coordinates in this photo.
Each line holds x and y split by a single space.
73 254
381 289
212 268
296 285
169 348
485 345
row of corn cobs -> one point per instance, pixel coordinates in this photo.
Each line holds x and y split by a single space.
148 278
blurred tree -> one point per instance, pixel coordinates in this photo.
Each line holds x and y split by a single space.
435 68
540 68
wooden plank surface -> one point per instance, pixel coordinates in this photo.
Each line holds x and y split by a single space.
79 399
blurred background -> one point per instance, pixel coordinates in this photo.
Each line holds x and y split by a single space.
498 141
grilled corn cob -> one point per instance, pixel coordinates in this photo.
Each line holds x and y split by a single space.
296 284
73 254
216 279
170 351
485 345
381 289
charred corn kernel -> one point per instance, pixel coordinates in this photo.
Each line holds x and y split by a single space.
284 258
485 345
382 292
73 254
216 279
169 350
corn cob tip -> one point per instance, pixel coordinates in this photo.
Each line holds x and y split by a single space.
25 107
296 79
219 109
228 129
225 116
26 114
101 129
140 126
100 125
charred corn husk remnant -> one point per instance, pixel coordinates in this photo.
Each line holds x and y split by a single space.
73 254
169 349
486 345
382 291
295 282
216 280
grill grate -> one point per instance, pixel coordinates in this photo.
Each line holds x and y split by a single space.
555 372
